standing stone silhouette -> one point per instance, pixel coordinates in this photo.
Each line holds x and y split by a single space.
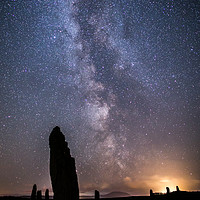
168 190
62 168
96 195
39 195
151 192
34 192
177 189
47 194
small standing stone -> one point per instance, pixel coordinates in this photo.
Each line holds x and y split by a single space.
39 195
96 194
34 192
168 191
47 194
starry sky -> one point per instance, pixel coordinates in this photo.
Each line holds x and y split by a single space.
121 80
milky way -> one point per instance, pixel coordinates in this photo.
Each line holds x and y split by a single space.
120 78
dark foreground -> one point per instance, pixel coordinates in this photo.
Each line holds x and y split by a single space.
171 196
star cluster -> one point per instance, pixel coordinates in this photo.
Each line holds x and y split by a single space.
121 79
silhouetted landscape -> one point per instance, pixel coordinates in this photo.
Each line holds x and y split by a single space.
182 195
65 182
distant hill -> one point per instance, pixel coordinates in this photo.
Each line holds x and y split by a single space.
115 194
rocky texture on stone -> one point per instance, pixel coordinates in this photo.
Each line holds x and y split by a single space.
62 168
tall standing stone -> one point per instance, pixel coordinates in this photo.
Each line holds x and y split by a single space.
62 168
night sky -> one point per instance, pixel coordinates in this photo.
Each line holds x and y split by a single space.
119 77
